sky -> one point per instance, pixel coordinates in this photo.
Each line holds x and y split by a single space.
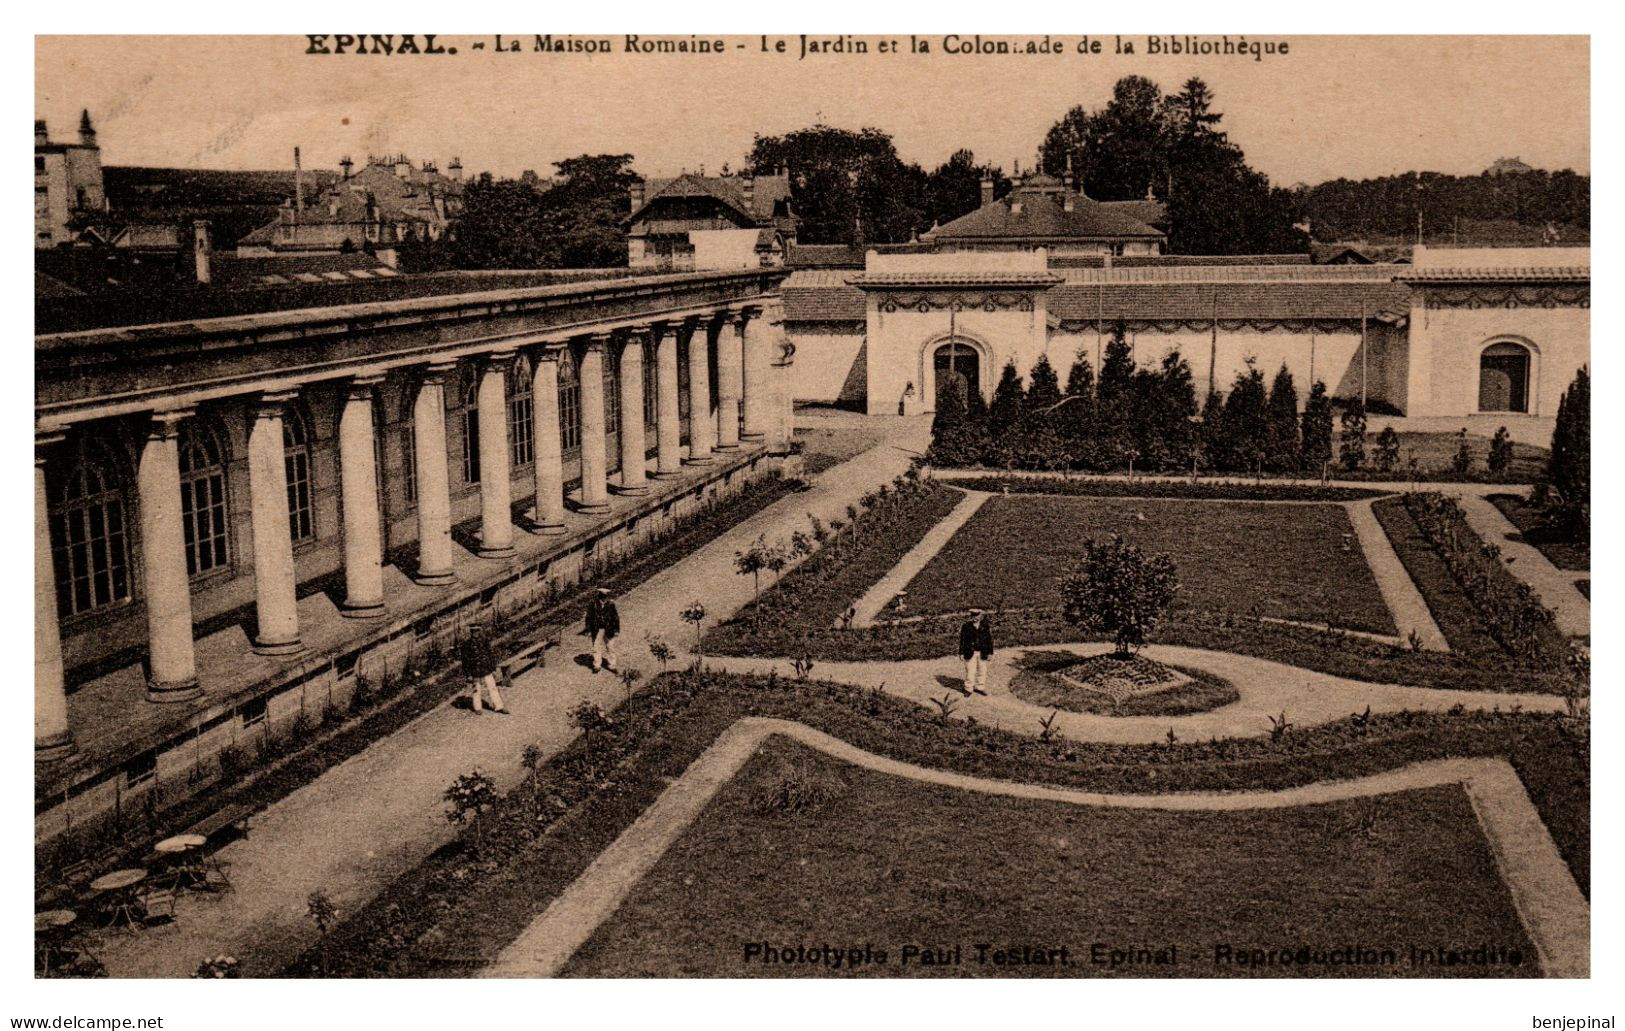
1330 106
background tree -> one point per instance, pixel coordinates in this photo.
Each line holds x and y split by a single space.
501 226
1214 444
1165 402
1077 416
955 187
582 213
1281 439
1568 471
848 187
1115 415
1117 589
1351 450
1317 428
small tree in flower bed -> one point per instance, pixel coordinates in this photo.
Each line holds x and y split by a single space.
695 614
468 796
1120 590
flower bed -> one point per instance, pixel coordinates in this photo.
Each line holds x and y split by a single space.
462 905
1508 608
1107 685
1205 490
1562 549
816 593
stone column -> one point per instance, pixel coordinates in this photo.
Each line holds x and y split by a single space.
52 737
172 666
433 477
594 460
358 489
549 447
496 487
668 427
701 426
757 396
730 372
633 448
276 609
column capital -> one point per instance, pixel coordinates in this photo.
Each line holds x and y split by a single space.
736 315
43 439
166 424
638 332
660 330
500 358
270 403
750 311
598 341
367 378
437 371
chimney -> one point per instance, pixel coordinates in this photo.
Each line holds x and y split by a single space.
987 188
455 170
41 137
1068 195
201 251
636 190
403 167
87 132
298 187
747 181
346 165
1071 183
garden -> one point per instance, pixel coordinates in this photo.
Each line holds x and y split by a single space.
1300 563
801 848
461 906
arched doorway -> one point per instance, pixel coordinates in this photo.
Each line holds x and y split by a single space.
955 360
1503 378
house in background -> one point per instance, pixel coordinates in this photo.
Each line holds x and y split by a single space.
710 222
67 184
1043 211
378 208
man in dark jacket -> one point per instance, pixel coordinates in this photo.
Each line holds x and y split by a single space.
603 625
480 667
976 648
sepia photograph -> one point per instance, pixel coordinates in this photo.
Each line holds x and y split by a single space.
839 506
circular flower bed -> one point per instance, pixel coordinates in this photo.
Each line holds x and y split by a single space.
1109 685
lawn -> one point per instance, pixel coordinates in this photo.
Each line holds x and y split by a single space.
1296 562
1563 550
455 911
1037 681
891 863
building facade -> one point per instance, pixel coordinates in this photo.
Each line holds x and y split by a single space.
239 517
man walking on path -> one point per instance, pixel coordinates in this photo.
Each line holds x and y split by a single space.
480 666
603 624
976 648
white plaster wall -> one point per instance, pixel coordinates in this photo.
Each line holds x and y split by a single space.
900 343
829 362
1446 344
724 248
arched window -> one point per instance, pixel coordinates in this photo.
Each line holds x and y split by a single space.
90 548
1503 378
569 403
203 498
521 410
471 430
296 465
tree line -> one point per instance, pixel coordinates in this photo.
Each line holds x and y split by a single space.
1144 418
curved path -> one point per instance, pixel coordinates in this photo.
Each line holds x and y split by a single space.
1267 689
1554 913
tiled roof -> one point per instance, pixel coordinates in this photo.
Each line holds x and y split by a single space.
824 255
949 277
823 296
1528 273
1151 212
767 193
1042 216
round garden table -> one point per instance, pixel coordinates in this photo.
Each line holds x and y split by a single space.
178 852
120 887
50 930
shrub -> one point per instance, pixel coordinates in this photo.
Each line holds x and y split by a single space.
468 796
797 787
1317 428
1118 589
1500 451
587 717
1462 461
1387 449
1568 471
1351 455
